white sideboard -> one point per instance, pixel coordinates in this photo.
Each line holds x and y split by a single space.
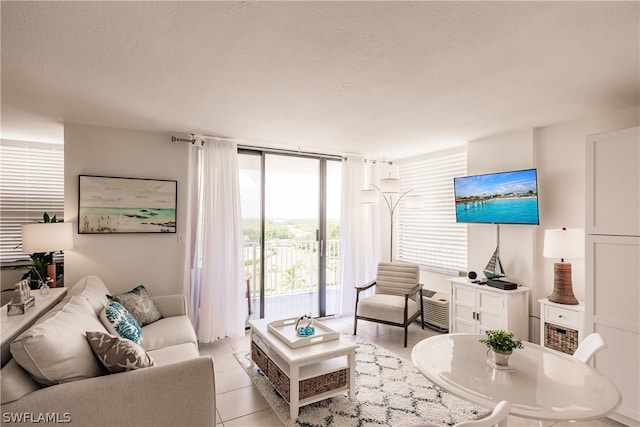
476 308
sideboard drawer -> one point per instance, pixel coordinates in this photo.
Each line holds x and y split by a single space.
561 316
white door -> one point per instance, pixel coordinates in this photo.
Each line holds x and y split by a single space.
464 308
491 308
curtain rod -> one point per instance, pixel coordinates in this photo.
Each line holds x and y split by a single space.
285 151
176 139
193 140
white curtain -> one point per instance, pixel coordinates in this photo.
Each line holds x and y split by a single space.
215 283
359 240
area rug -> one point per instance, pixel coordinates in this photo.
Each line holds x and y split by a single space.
390 391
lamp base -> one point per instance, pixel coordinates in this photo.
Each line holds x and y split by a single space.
51 273
562 287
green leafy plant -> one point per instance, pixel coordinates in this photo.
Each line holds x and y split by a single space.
500 341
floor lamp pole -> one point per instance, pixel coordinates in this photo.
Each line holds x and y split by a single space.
392 209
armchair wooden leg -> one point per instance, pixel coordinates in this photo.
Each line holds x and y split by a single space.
355 324
405 335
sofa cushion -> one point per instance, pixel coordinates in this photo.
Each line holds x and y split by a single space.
119 321
139 304
57 351
118 354
15 382
94 290
168 331
175 353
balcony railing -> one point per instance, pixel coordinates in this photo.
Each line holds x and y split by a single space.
291 275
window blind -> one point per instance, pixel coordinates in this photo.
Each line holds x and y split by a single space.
31 183
430 236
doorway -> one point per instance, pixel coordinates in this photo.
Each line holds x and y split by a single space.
291 230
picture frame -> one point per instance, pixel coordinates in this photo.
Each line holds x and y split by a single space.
115 205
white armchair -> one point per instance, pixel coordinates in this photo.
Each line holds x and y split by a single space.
397 300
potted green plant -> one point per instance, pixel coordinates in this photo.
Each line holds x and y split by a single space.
501 343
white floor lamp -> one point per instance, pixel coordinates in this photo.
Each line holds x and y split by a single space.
390 191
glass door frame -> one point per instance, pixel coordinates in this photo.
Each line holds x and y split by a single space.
321 235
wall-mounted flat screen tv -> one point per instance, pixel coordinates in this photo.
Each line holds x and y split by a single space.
498 198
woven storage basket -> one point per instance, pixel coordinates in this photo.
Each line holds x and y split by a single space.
259 358
309 387
561 339
316 385
279 380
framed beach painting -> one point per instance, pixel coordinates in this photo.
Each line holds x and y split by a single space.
111 205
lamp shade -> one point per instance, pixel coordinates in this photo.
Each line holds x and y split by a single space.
564 243
390 186
369 197
46 237
413 201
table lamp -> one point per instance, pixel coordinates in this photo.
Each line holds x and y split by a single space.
563 243
47 237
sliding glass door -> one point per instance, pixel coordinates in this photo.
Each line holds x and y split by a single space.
290 207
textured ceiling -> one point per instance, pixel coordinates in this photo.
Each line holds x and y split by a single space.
386 79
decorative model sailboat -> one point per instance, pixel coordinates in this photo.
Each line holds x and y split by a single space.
494 269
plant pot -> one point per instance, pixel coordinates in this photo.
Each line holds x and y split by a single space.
500 358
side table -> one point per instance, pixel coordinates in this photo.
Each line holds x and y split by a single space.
561 325
12 326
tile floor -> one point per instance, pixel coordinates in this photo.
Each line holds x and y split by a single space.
234 386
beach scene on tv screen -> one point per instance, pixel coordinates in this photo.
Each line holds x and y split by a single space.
501 198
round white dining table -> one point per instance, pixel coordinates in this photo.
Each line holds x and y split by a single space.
540 383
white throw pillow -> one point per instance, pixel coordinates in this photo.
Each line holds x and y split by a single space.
57 351
118 321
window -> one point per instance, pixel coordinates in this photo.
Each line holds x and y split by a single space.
31 183
430 236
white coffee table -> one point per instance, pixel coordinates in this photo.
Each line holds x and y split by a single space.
315 362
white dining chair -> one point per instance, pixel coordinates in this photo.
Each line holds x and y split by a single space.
592 344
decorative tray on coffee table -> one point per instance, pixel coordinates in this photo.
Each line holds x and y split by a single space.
285 330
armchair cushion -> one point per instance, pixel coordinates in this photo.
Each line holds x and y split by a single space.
389 308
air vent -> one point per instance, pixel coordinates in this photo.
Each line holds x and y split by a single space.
436 310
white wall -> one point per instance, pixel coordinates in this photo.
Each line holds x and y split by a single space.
558 152
561 161
123 261
511 151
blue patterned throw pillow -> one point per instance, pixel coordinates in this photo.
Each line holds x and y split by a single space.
119 321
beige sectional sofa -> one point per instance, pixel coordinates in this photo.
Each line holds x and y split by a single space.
54 377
